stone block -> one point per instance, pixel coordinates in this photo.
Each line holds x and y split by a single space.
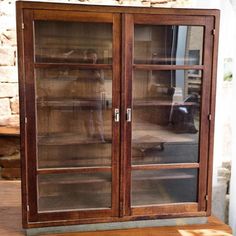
11 173
14 121
8 74
10 121
7 55
8 90
8 37
225 173
10 161
5 109
9 145
14 105
219 200
227 165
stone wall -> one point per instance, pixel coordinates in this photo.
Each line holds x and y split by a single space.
9 100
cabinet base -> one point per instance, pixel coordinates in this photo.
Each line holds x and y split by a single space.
118 225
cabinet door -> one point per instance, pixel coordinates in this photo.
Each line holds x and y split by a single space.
167 81
72 91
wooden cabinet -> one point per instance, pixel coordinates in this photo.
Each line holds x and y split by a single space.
117 112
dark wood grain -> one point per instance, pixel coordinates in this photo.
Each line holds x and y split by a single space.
215 42
117 9
123 20
30 114
128 32
166 19
167 67
165 166
205 111
165 209
73 170
72 65
73 16
116 92
23 140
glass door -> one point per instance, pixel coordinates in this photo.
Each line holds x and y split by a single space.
168 74
75 88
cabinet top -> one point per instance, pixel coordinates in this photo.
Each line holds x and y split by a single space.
115 6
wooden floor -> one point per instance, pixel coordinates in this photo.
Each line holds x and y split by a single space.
10 221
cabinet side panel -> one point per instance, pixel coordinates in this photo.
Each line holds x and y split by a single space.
20 53
30 114
212 110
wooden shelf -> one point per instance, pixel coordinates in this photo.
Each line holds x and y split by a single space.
71 162
82 178
69 170
147 133
69 139
150 103
10 131
151 175
71 65
75 201
80 102
153 67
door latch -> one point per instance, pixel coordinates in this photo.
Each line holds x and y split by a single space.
117 115
128 115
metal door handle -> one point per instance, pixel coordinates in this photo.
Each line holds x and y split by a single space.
128 115
117 115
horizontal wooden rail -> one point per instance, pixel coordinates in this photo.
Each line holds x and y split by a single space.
166 166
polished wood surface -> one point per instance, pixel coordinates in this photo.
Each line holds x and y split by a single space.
123 65
13 131
10 221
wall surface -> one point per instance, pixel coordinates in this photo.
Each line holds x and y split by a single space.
9 101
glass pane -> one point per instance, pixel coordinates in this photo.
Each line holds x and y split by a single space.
164 186
74 191
171 45
60 41
74 118
166 110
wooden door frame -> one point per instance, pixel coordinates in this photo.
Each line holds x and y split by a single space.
31 213
205 156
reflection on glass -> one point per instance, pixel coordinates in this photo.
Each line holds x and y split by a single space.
74 116
74 191
60 41
166 109
164 186
171 45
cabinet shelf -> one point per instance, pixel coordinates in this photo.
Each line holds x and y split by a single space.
75 201
159 134
152 67
74 65
155 103
72 162
69 139
80 102
105 176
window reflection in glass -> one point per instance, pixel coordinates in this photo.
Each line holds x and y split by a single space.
61 42
166 116
171 45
